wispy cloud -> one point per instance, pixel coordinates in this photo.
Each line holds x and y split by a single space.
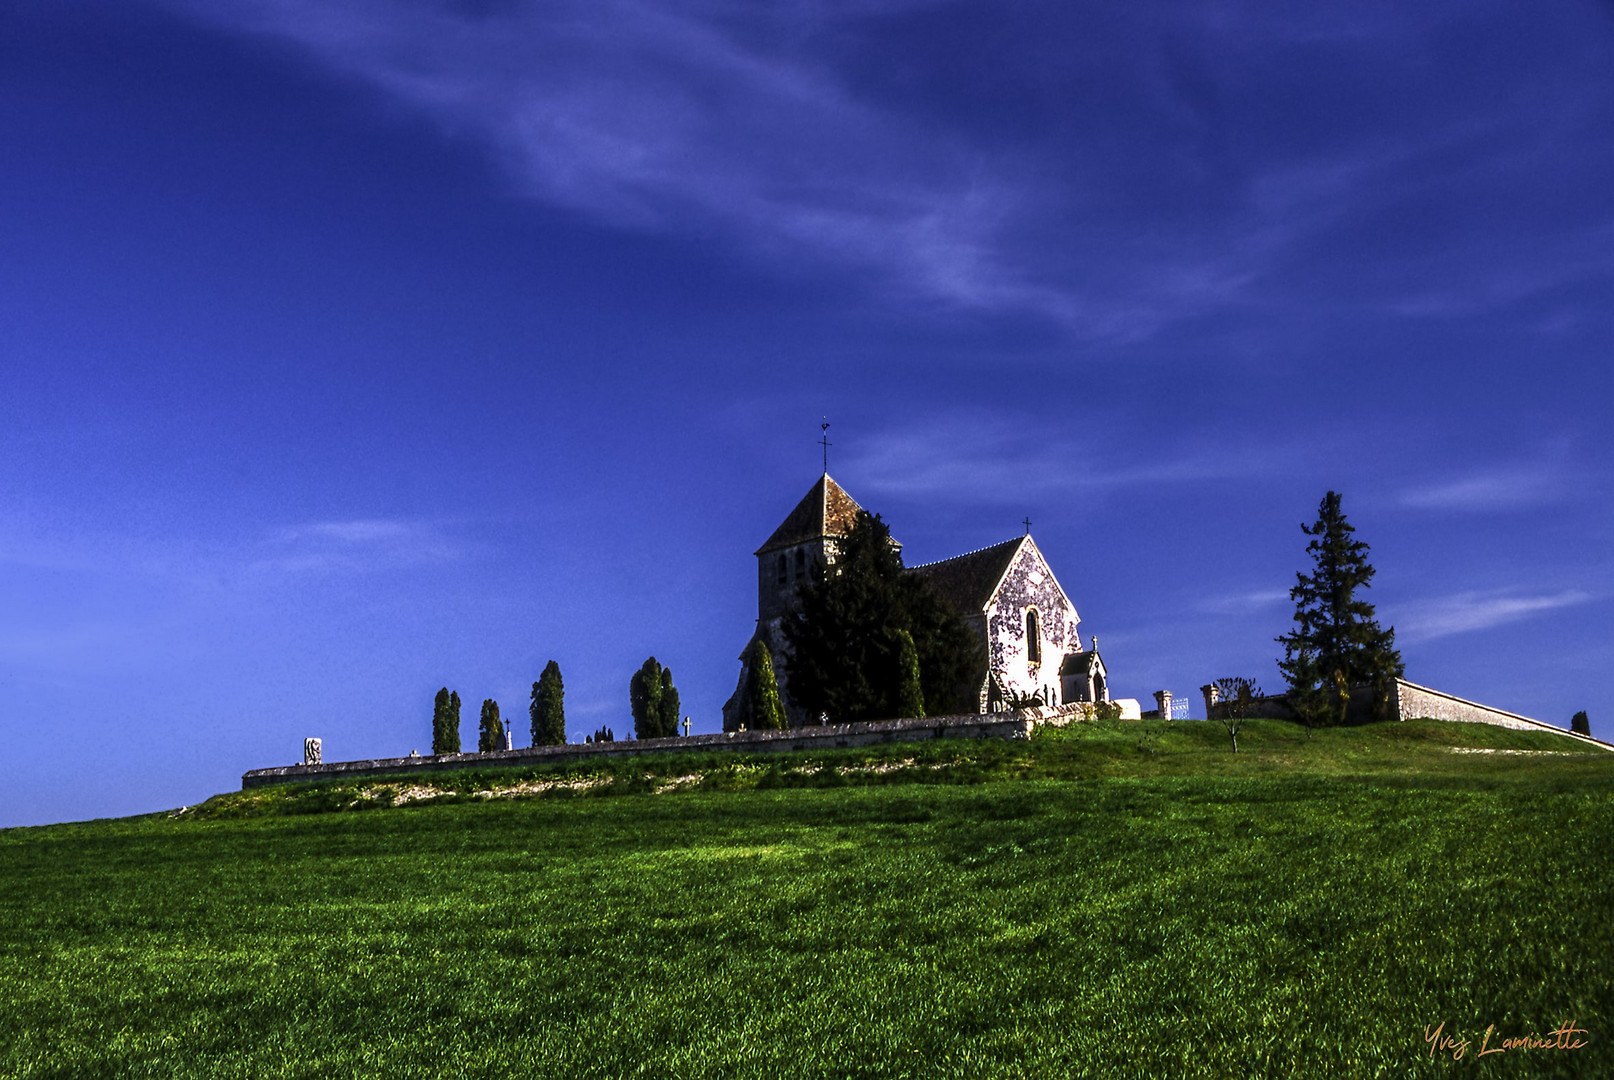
764 125
1508 488
986 458
664 117
1443 616
360 545
1244 603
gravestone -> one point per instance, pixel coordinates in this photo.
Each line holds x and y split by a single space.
311 751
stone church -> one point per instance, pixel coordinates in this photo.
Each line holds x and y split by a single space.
1006 593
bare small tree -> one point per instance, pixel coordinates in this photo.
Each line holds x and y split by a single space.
1237 694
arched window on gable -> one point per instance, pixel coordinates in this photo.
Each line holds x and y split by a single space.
1033 637
784 569
801 563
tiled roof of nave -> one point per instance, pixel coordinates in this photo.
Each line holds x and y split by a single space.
967 581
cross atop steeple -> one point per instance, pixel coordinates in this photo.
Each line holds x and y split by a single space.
1027 524
825 443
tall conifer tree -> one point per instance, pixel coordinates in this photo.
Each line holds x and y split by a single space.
910 694
446 722
653 699
1336 643
669 704
490 734
547 710
440 723
765 711
644 700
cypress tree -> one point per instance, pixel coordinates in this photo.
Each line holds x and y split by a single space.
547 710
766 710
669 704
644 700
1336 644
1580 725
446 722
910 694
445 736
490 735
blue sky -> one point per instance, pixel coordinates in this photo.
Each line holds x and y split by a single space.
354 348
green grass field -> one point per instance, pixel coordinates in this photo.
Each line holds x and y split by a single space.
1126 900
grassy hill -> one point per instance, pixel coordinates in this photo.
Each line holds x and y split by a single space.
1105 900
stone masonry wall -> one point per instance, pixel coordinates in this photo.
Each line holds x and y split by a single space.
1414 702
1017 724
1419 702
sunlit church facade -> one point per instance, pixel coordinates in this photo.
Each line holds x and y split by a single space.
1007 594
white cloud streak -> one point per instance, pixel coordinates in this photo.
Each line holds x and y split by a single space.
1444 616
1244 603
360 545
742 123
1507 488
654 117
988 459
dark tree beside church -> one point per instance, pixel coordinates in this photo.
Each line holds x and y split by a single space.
910 693
764 710
844 657
952 660
547 709
1336 643
1580 725
446 722
654 701
490 735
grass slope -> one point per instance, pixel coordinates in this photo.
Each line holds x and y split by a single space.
1108 900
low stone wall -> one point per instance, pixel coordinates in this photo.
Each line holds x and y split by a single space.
1409 701
1015 724
1419 702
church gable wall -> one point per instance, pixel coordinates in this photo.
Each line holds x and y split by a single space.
1029 585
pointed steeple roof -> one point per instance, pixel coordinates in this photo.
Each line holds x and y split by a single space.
826 510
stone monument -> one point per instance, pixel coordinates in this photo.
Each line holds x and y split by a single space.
311 751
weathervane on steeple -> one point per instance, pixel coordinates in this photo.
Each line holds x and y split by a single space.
825 443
